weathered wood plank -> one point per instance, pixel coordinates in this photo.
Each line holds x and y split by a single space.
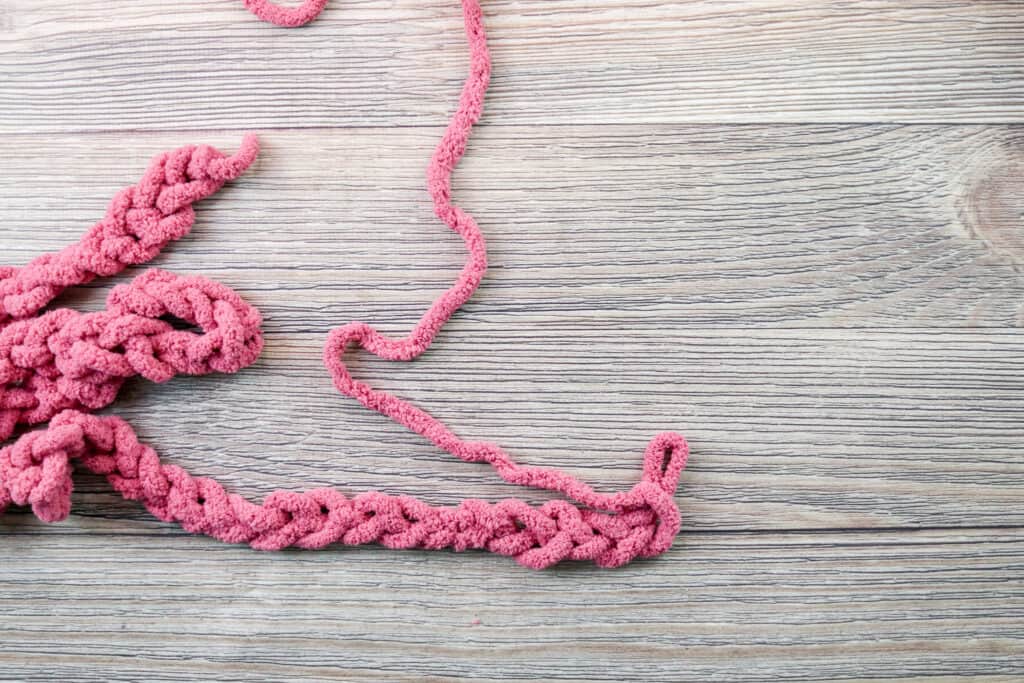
830 312
789 430
135 65
935 605
796 226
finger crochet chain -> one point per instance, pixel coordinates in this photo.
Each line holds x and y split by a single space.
58 365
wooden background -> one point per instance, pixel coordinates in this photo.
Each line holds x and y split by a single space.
792 230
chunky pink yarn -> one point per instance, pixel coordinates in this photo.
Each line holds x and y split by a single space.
60 364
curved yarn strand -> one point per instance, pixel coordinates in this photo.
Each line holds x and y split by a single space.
447 154
289 17
60 365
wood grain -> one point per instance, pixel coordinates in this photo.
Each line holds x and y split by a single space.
657 226
207 64
791 230
931 605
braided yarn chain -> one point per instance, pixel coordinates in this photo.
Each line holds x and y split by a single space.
139 222
61 364
64 359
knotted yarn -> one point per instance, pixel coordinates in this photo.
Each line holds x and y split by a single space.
65 359
60 365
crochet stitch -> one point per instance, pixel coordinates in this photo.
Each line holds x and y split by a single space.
66 359
61 364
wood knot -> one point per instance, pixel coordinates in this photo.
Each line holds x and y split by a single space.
993 210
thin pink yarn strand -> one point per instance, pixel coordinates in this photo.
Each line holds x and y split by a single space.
446 157
288 17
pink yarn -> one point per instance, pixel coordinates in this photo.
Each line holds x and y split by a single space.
140 221
62 363
290 17
65 359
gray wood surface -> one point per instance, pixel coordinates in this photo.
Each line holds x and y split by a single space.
793 231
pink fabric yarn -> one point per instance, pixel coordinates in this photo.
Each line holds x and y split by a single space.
61 364
291 17
65 359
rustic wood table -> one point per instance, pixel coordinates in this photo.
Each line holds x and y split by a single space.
793 231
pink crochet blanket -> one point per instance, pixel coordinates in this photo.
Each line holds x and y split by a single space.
61 365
